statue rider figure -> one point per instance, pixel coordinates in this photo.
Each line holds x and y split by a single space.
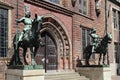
27 23
95 38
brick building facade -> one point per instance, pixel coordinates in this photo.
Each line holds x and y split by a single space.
66 28
114 25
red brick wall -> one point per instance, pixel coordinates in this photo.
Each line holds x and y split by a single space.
14 14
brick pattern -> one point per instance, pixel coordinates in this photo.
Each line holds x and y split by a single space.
20 8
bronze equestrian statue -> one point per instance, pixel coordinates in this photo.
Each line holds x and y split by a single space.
98 46
29 37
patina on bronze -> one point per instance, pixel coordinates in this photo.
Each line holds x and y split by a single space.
29 37
98 46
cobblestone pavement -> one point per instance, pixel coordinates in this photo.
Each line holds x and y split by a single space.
115 77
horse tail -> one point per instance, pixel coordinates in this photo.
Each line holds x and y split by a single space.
15 45
87 52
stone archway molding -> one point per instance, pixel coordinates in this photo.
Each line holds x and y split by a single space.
57 29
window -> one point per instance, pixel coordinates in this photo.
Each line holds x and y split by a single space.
83 6
116 53
3 32
114 19
55 1
86 40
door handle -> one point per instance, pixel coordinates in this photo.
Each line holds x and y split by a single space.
47 61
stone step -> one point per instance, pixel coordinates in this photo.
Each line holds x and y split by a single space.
69 79
68 75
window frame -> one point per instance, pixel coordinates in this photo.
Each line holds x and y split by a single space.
4 32
116 19
9 43
82 8
116 52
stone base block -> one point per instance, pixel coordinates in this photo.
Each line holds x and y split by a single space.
95 73
17 74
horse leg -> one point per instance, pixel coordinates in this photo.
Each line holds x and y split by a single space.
87 58
86 61
17 57
99 59
24 56
108 62
35 50
32 56
104 59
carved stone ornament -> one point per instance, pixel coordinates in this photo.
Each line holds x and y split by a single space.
97 6
73 2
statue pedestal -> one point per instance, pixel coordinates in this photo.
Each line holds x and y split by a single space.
95 73
17 74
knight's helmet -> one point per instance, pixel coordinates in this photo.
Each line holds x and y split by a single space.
27 12
93 30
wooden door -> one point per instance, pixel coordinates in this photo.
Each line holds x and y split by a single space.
47 55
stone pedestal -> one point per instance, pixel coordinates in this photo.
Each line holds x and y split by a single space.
17 74
95 73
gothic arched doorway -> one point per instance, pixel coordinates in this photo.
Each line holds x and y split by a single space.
57 52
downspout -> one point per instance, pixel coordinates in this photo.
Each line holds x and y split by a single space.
106 30
16 43
106 25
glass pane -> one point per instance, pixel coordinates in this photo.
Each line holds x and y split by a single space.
3 32
116 52
88 37
83 6
83 41
57 1
119 20
114 18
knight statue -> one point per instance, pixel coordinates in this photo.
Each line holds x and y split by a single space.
27 21
95 38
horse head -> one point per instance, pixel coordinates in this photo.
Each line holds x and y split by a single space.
37 23
108 37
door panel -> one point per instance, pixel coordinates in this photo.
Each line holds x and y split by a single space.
47 55
51 54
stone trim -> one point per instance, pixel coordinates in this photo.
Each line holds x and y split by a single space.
56 8
5 5
51 6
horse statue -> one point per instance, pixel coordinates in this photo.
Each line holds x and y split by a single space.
31 39
100 49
